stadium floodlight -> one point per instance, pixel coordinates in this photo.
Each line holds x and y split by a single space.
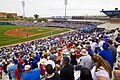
65 1
23 5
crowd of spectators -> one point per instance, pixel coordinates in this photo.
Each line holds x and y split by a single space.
68 24
58 57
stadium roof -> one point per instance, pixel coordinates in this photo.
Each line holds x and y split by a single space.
111 13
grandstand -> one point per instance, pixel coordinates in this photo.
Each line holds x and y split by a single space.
84 31
84 25
45 42
114 15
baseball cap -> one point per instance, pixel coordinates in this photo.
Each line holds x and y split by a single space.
27 67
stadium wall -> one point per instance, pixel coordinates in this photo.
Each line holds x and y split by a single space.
115 20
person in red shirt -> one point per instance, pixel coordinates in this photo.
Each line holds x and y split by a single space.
78 53
1 71
18 71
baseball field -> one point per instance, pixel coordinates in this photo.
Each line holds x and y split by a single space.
17 34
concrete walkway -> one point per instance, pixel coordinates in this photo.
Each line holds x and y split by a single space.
109 26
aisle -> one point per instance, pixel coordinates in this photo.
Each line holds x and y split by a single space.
109 26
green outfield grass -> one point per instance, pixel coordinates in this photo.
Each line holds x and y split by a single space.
40 31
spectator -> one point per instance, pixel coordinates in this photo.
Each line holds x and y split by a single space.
59 57
117 72
67 72
113 49
37 57
97 49
90 52
101 42
5 64
85 74
93 45
1 71
34 64
85 60
18 71
43 60
101 70
106 54
30 74
73 57
78 53
11 68
50 73
49 46
51 62
117 41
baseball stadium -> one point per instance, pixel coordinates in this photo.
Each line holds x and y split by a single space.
60 47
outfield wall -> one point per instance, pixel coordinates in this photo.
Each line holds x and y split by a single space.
6 23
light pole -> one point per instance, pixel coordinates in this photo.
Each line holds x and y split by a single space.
65 1
23 5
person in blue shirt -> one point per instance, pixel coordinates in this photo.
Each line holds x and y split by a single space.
37 57
34 64
30 74
12 68
106 54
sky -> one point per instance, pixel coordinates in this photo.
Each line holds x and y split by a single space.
48 8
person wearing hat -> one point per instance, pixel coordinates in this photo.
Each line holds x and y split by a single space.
12 67
65 53
106 54
30 74
51 62
43 60
4 66
9 64
42 63
73 57
85 60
